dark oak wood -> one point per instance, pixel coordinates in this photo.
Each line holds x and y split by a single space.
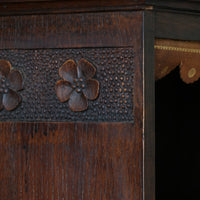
109 29
149 106
177 6
17 7
70 161
77 160
87 2
24 1
47 7
177 26
89 160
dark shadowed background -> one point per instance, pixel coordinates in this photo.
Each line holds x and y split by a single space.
177 138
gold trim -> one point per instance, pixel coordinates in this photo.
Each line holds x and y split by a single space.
169 48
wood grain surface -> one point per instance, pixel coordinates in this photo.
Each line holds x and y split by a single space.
110 29
80 160
149 107
20 7
177 26
84 2
70 161
13 7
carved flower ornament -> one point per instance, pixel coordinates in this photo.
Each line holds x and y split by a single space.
77 85
10 83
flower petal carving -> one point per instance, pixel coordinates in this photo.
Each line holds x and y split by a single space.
5 67
78 102
15 80
85 69
77 85
91 90
63 90
68 71
11 100
10 82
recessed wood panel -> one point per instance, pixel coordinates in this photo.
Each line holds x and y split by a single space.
70 161
115 71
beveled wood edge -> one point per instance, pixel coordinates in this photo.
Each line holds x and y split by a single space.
31 7
149 107
56 7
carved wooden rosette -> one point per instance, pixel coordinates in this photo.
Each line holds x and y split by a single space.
171 53
77 85
10 83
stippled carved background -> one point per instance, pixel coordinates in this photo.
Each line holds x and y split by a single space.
115 73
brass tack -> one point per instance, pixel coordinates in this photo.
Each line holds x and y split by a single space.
192 72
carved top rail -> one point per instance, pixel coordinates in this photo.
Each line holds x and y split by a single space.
18 7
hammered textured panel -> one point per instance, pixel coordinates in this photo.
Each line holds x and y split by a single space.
114 71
